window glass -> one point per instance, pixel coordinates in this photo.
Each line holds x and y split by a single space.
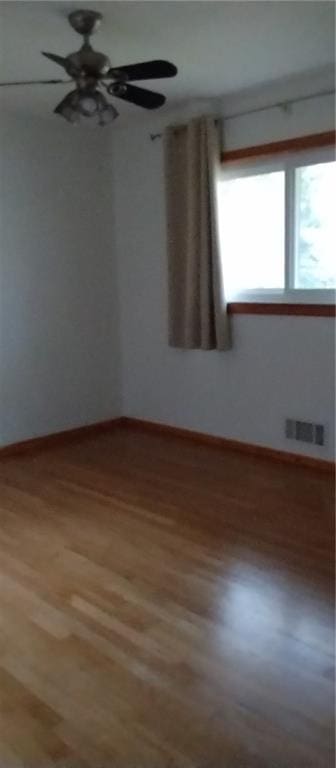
252 229
315 257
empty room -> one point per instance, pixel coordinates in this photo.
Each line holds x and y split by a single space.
167 384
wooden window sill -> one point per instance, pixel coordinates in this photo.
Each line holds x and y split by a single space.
264 308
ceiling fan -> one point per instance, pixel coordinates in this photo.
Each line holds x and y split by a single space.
91 71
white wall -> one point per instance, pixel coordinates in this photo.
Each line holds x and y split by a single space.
63 228
279 366
59 352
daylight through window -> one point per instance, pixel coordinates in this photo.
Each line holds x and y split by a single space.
278 228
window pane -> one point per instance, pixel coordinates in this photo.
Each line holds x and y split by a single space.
315 262
252 225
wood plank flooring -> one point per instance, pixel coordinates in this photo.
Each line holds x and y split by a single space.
164 605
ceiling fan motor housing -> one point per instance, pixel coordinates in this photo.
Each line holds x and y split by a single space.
87 62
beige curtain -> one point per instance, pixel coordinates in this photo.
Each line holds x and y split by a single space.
198 316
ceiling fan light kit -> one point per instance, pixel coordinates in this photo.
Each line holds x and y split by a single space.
90 70
86 103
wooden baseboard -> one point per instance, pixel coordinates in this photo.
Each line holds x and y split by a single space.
91 430
228 444
58 438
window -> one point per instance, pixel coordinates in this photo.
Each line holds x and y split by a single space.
315 256
278 228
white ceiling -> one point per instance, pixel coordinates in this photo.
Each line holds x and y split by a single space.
218 47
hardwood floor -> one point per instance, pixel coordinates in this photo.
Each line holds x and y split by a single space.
164 605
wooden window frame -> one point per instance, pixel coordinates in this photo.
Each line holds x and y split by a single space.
312 141
281 308
273 149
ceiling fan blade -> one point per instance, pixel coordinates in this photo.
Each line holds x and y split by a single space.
57 59
34 82
139 96
147 70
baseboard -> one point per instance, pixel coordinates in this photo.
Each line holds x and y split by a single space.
228 444
58 438
91 430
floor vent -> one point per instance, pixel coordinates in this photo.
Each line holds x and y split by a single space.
305 431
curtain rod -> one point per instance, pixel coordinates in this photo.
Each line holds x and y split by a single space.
285 105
